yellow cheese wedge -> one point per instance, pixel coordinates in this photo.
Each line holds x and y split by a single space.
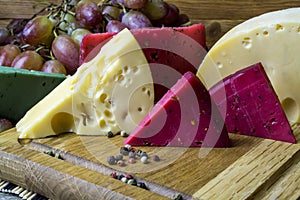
112 92
274 40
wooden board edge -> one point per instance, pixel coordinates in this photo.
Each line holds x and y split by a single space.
58 179
256 170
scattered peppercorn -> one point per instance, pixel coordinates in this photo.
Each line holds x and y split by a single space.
156 158
124 151
121 163
110 134
131 154
177 197
111 160
124 180
128 147
144 159
119 157
142 185
132 182
131 160
139 153
123 134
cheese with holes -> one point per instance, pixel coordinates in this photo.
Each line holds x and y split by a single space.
272 39
112 92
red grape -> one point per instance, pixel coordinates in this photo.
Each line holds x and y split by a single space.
4 36
38 31
115 26
54 66
30 60
135 19
170 17
8 54
111 11
135 4
66 50
88 13
5 125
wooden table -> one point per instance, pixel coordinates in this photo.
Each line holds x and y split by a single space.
252 169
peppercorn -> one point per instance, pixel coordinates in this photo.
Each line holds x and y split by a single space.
119 157
131 160
156 158
144 154
119 177
111 160
177 197
128 147
142 185
123 134
144 159
113 175
121 163
139 153
124 151
110 134
132 182
131 154
129 176
124 179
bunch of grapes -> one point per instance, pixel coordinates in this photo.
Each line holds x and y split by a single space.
50 40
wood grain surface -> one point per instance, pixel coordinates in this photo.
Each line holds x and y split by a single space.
253 168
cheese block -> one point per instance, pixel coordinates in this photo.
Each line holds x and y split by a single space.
21 89
185 117
170 51
273 40
112 92
252 106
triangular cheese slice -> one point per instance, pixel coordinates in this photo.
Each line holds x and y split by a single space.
185 116
252 106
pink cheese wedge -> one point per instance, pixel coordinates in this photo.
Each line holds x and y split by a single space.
170 52
252 105
184 117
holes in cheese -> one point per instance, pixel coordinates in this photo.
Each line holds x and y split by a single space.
272 39
112 92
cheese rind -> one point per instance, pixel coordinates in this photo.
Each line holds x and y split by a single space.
78 104
20 89
273 42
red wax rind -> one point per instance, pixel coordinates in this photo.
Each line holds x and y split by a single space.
253 108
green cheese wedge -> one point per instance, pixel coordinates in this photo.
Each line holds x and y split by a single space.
20 89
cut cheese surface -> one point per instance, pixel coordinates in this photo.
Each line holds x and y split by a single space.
170 52
184 117
272 40
89 102
252 107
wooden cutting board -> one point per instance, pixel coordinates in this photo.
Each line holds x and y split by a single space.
252 168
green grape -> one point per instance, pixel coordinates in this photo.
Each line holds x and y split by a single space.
29 59
67 23
66 50
38 31
155 9
78 34
135 19
8 54
111 11
54 66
